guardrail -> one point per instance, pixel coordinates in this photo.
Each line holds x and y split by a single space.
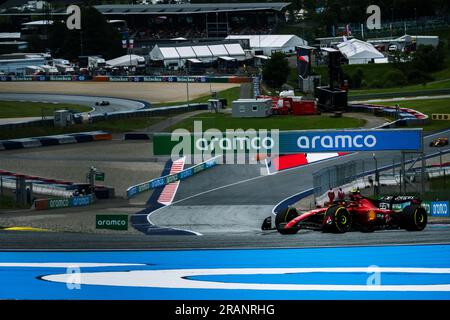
45 204
361 180
152 112
23 124
165 180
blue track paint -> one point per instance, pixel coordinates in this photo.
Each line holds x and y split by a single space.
139 220
25 282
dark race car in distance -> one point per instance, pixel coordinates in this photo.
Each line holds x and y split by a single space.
439 142
358 213
102 103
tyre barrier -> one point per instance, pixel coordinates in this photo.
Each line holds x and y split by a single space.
54 140
403 116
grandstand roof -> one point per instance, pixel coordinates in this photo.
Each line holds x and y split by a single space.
188 8
198 51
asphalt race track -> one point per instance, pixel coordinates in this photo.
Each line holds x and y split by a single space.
116 104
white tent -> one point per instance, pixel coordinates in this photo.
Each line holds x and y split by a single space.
186 52
359 52
38 23
205 53
272 43
126 60
235 50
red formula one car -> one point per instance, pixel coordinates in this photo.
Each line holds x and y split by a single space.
358 213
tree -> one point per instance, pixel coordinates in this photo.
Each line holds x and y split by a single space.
428 58
96 36
276 70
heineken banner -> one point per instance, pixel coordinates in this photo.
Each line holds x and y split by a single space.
160 182
61 78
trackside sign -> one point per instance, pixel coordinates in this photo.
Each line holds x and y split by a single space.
212 142
350 140
113 222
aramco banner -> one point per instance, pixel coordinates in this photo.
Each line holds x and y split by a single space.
212 141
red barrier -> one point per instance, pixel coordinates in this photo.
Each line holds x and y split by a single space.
239 79
100 78
103 136
41 204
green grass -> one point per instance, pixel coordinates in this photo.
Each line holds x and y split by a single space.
440 183
7 202
114 126
222 122
441 84
427 107
14 109
377 71
229 94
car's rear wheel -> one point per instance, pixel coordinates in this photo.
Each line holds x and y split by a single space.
283 218
414 218
337 219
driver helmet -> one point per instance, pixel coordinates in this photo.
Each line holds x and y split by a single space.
354 193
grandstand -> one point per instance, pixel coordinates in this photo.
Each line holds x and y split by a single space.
192 21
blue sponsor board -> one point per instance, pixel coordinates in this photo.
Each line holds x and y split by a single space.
350 140
136 79
162 181
81 78
131 192
439 209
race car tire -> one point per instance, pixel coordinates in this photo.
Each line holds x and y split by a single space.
341 220
414 218
287 215
284 217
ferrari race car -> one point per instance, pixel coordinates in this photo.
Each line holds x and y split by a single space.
359 213
439 142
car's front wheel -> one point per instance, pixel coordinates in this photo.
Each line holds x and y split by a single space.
283 218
